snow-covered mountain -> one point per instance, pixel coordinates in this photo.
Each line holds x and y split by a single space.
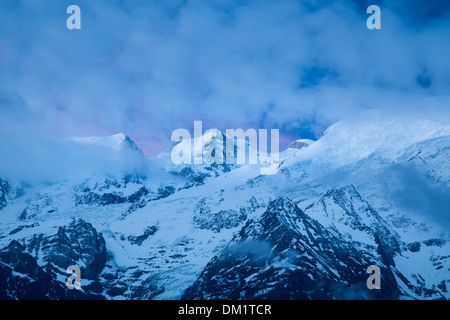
118 141
373 192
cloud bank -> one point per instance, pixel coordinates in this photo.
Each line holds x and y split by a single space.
149 67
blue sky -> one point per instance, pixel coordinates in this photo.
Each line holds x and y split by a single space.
148 67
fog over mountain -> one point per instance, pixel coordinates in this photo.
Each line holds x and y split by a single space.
148 68
87 176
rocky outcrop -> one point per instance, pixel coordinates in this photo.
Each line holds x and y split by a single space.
216 221
22 277
75 244
287 255
9 191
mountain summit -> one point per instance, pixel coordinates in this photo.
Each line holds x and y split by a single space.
118 141
301 143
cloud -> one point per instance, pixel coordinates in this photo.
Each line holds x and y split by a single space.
33 159
256 251
420 196
147 68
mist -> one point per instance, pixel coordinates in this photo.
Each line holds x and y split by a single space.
36 160
148 68
421 197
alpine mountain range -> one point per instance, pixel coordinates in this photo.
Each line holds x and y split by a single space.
372 192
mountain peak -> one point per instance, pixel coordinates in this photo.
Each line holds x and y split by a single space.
118 141
300 144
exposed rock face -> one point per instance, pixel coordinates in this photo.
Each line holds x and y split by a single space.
2 196
9 191
112 192
298 144
287 255
224 219
22 278
149 231
76 244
